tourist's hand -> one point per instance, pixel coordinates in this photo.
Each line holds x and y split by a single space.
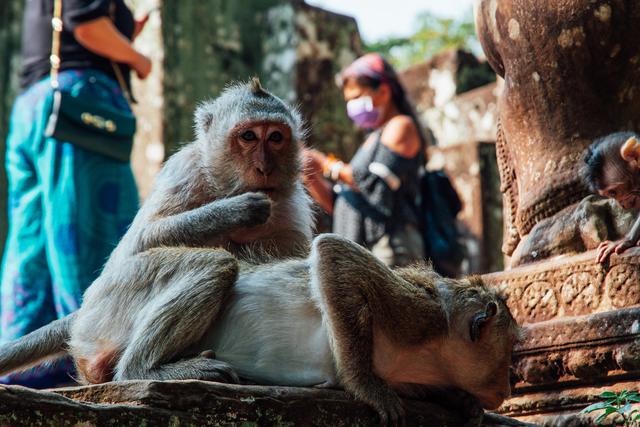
606 248
313 161
142 66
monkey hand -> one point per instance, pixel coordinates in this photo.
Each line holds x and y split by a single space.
206 368
606 248
390 408
251 209
141 65
313 163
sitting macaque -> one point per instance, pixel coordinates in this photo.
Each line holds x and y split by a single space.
237 187
613 170
337 318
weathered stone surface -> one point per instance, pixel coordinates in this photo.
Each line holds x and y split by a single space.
560 408
455 96
575 229
196 403
590 347
582 334
436 81
570 286
568 79
582 331
470 116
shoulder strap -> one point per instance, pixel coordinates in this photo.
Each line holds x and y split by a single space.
54 59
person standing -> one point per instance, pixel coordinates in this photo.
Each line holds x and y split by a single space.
68 206
374 201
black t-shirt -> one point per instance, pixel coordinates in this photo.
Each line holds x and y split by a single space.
36 36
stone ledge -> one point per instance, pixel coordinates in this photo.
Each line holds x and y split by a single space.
570 285
198 403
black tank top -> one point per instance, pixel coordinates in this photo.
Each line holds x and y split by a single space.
36 36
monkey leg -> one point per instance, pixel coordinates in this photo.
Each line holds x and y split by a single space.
197 284
355 290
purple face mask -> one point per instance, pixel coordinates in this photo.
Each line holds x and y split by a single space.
363 113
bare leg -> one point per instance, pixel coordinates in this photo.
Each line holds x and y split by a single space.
197 286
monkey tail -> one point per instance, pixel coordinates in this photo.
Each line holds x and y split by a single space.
42 344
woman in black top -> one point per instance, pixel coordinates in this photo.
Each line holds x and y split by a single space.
68 207
374 203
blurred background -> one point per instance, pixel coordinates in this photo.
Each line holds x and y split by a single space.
297 48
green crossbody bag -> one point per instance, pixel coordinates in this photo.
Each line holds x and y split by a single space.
91 125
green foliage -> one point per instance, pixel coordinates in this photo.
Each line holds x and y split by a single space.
618 406
433 35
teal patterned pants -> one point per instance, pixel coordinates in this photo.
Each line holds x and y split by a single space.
68 208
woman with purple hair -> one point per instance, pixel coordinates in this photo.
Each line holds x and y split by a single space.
373 201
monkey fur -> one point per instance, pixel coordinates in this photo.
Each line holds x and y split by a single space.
237 187
612 170
339 317
211 194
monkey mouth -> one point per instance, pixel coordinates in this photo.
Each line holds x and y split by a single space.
269 191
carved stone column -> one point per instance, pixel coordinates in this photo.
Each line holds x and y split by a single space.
572 74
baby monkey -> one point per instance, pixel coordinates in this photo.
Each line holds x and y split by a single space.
613 170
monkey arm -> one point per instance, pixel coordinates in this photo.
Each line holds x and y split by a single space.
199 225
355 292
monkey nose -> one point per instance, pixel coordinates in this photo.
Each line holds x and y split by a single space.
264 170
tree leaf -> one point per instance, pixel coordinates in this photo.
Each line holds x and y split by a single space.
608 395
596 407
626 408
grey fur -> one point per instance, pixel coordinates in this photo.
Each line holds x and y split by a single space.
320 321
204 196
43 344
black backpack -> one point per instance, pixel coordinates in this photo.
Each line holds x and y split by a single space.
438 206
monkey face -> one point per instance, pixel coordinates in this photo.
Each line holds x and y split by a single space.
493 334
265 151
620 184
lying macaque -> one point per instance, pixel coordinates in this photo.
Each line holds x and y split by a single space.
613 171
340 317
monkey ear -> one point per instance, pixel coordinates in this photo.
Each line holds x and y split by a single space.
203 118
630 151
481 319
256 87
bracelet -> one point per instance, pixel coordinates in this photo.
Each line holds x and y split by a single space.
335 170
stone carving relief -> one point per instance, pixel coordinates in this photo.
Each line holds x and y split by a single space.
568 80
570 287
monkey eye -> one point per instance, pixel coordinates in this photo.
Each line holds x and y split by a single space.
249 135
276 137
